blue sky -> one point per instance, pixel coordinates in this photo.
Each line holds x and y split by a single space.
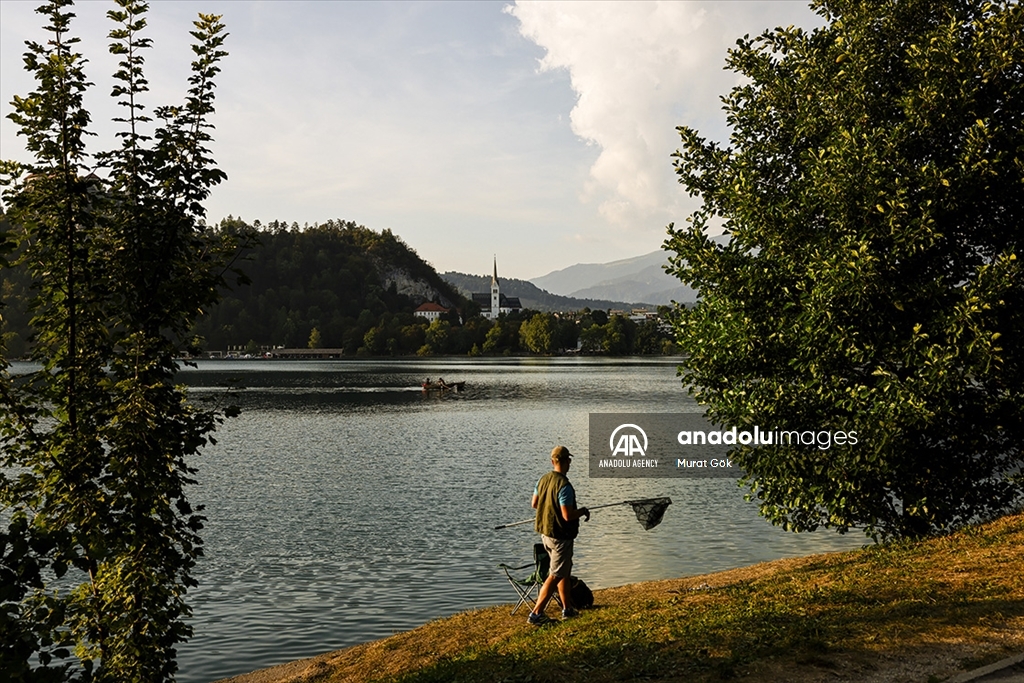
537 132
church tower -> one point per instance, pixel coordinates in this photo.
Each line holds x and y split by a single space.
495 293
494 302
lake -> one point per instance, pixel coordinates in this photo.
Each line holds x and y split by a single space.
345 504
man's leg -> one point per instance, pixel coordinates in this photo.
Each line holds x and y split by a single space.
560 553
564 587
565 593
547 589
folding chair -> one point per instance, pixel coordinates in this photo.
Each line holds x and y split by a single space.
528 586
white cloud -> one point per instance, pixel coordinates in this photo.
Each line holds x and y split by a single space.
639 69
434 120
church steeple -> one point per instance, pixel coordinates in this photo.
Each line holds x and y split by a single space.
495 292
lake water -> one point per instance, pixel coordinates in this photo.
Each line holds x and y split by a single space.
345 504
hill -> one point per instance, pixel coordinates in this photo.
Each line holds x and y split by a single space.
531 296
337 277
907 611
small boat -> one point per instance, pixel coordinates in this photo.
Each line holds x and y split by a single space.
442 386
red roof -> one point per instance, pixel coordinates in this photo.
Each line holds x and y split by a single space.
431 306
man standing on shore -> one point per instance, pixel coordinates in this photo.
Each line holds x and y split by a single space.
558 522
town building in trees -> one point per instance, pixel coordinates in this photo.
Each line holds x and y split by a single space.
431 311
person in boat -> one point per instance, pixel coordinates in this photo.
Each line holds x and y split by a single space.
440 380
558 523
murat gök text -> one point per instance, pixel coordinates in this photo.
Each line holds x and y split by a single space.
689 445
823 440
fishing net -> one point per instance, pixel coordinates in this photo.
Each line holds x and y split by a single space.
650 511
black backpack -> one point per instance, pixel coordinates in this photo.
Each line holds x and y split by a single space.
582 596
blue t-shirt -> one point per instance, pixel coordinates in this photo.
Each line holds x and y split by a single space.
566 496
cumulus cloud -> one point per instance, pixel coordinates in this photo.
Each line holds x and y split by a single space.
639 69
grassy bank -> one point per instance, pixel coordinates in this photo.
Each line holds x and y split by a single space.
907 611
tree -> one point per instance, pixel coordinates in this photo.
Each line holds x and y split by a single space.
438 337
592 338
375 341
314 339
503 336
101 437
872 191
339 277
538 334
619 335
649 338
567 332
492 341
411 337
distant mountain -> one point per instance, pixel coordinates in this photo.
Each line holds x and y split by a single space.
640 278
584 275
530 296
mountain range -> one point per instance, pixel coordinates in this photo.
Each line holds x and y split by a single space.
530 295
622 284
641 278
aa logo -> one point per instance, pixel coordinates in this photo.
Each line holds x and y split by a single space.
628 443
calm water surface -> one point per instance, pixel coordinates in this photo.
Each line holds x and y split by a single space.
344 504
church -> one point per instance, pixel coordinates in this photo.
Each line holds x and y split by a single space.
495 303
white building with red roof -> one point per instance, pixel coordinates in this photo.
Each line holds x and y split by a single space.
431 311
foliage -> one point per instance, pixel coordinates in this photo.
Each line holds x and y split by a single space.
438 337
872 187
619 335
96 445
15 294
337 277
538 333
341 279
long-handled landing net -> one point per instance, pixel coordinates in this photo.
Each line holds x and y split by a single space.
649 512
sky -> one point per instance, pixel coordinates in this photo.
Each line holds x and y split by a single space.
537 133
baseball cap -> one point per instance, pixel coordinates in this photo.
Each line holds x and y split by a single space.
560 453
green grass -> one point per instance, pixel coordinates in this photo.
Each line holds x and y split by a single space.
959 593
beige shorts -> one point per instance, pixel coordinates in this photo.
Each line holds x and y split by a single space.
560 552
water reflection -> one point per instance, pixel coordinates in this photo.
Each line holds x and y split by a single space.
345 504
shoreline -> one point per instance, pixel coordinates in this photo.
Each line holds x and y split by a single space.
941 607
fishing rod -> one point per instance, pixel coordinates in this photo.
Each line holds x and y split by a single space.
649 512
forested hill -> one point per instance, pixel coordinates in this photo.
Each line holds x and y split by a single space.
338 278
530 295
340 285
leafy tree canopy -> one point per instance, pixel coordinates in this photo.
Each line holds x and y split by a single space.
338 277
873 188
99 539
